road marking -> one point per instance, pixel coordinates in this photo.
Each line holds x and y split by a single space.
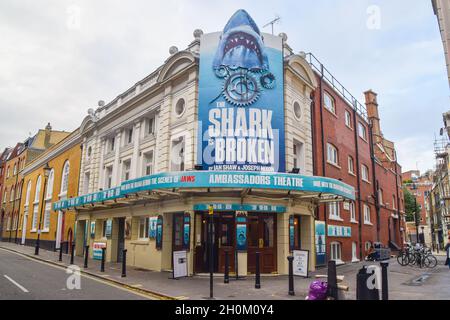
144 294
16 284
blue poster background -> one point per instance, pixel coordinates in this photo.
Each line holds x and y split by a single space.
213 94
320 243
241 237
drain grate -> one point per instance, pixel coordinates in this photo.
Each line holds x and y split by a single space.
419 281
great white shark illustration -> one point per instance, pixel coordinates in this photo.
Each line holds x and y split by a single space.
242 61
241 45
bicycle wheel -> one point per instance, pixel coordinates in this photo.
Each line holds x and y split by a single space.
403 259
430 261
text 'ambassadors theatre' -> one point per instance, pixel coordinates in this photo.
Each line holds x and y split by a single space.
225 123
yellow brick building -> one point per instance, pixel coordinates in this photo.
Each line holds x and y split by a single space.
39 192
20 156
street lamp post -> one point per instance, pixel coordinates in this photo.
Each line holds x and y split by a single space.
46 174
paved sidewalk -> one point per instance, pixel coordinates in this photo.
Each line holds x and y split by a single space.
159 284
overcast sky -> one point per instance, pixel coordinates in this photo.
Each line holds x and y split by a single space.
58 58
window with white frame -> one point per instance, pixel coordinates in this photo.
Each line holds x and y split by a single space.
367 214
364 173
352 212
348 119
148 163
126 170
362 131
299 155
49 187
11 196
46 222
150 123
111 145
108 177
35 217
177 157
65 178
5 196
380 196
143 228
336 251
393 203
129 136
351 165
354 255
332 154
37 190
329 103
27 197
15 169
334 210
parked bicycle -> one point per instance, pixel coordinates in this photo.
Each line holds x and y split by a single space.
418 255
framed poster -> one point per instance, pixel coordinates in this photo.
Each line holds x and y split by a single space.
320 243
180 268
92 229
301 263
152 222
186 231
291 233
97 250
108 231
159 232
241 231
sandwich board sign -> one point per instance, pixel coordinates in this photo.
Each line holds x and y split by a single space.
301 263
180 269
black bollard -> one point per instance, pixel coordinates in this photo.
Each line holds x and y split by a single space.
366 288
67 247
258 274
60 252
332 280
86 257
102 266
124 263
384 280
291 275
226 278
72 253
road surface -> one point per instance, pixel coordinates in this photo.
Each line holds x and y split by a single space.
22 278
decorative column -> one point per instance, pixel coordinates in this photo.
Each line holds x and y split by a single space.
101 171
135 167
116 169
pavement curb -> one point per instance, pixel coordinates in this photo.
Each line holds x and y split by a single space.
159 295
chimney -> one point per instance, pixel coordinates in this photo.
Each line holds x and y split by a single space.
48 131
372 113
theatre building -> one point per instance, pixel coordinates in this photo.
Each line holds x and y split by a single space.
220 135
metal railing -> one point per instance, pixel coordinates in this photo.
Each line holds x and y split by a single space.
336 85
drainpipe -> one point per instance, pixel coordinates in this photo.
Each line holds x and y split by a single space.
322 138
398 195
374 180
358 184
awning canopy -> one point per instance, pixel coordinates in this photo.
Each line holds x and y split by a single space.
153 187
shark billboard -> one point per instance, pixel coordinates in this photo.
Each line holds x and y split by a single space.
241 102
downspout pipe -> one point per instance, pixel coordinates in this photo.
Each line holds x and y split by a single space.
358 184
322 136
374 180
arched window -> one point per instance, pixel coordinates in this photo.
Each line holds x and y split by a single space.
38 190
65 178
27 197
332 154
49 187
11 196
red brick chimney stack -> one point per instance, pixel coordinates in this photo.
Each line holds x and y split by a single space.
372 113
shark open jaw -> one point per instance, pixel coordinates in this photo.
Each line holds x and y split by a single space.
241 45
